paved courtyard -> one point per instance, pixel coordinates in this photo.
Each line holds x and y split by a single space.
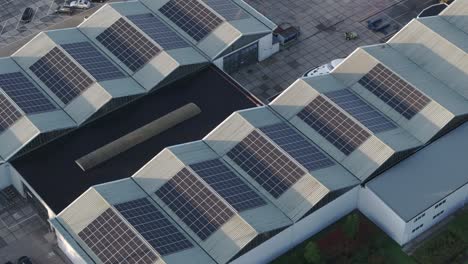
322 24
11 29
23 232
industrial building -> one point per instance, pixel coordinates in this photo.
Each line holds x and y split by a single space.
219 177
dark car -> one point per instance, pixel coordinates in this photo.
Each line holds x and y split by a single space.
24 260
27 16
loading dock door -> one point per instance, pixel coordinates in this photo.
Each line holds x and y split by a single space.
241 58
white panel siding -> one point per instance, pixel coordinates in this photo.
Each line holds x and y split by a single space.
379 213
301 230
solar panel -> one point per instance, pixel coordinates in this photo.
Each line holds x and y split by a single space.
395 92
227 9
359 109
8 113
295 145
128 45
63 77
24 93
192 17
158 31
227 184
199 208
266 164
162 235
336 127
93 61
114 242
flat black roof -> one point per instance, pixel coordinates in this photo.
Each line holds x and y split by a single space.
52 172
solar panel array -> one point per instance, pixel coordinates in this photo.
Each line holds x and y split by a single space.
128 45
266 164
114 242
23 92
199 208
93 61
192 17
359 109
395 92
8 113
295 145
162 235
63 77
340 130
227 184
227 9
158 31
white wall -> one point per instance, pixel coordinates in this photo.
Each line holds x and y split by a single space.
302 230
453 202
5 177
265 47
69 251
378 212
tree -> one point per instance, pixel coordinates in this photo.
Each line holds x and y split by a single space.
351 225
312 253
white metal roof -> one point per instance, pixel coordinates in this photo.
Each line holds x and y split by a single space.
246 23
100 198
425 178
81 107
366 158
31 124
233 235
444 106
118 87
160 66
456 13
301 196
439 48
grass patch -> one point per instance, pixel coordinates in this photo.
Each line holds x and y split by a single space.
353 239
447 245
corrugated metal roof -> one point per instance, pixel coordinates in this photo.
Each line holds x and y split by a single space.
158 67
224 35
39 115
368 156
303 194
101 198
232 235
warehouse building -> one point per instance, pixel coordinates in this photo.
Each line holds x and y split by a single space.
31 115
421 190
118 54
254 183
145 47
361 143
279 161
230 33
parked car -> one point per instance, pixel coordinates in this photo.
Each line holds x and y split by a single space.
64 10
24 260
81 4
27 16
432 10
324 69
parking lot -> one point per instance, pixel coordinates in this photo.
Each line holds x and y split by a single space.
24 233
322 24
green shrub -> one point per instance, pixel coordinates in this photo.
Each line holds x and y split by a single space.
312 253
